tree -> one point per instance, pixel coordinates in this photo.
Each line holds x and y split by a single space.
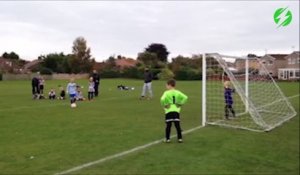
56 62
148 58
81 60
11 55
160 50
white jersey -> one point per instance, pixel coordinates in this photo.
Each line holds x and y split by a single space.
91 87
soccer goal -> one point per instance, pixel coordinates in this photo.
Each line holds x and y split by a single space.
258 103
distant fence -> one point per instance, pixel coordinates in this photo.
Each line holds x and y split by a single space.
46 77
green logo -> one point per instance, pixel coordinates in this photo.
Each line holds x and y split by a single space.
282 17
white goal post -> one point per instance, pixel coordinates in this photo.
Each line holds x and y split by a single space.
256 102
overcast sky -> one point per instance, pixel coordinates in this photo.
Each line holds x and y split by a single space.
33 28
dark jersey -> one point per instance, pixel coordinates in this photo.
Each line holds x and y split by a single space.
96 78
35 81
228 96
148 77
62 93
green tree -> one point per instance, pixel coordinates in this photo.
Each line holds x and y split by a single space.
81 60
160 50
165 74
148 58
11 55
56 62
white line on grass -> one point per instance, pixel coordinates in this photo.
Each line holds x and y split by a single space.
138 148
293 96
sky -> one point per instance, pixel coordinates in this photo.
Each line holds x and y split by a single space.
33 28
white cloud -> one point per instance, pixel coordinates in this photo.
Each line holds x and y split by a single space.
230 27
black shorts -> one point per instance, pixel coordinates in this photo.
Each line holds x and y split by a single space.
41 87
172 116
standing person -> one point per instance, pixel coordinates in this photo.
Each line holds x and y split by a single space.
96 79
172 100
35 88
41 87
148 76
228 99
91 89
72 90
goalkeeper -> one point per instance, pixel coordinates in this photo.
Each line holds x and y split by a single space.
228 99
172 100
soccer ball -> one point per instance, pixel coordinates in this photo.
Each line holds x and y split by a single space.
132 88
73 105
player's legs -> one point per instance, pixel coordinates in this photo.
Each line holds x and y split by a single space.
72 98
178 129
168 130
231 110
176 117
149 87
96 89
41 89
89 95
144 90
226 111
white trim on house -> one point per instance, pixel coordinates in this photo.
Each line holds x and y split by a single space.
289 74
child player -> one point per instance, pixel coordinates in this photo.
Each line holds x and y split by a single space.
91 89
172 100
71 90
62 94
228 99
51 94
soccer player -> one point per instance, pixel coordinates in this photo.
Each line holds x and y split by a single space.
71 90
172 100
52 94
62 94
147 84
35 88
41 86
91 89
96 79
228 99
79 95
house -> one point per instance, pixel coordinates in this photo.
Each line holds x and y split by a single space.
6 65
253 63
291 71
125 62
272 63
31 66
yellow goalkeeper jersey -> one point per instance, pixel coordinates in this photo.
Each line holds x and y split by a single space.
172 99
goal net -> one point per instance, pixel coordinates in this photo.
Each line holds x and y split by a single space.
251 100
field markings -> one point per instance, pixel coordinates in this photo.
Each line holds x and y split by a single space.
121 154
293 96
135 149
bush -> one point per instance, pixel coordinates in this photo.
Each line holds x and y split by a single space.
165 74
133 72
110 73
45 71
155 73
188 74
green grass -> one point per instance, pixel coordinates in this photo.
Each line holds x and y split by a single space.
60 138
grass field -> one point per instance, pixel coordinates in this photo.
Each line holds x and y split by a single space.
47 137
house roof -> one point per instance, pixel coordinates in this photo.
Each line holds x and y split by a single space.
278 56
32 64
294 53
275 56
126 62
